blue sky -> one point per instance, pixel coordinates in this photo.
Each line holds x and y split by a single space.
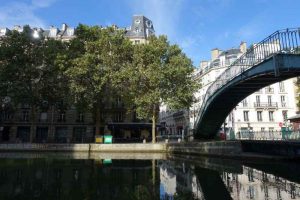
196 25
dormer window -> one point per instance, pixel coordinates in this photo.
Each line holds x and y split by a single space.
36 34
70 31
149 24
137 30
53 32
3 31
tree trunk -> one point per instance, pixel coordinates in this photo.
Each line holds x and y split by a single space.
153 125
32 124
97 132
51 129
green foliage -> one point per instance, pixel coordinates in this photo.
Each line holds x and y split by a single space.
28 72
96 66
95 57
159 72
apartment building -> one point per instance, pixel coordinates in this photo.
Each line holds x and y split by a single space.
54 125
263 111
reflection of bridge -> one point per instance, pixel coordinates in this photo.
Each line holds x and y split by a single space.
274 59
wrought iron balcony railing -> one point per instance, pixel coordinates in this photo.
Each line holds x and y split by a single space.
266 105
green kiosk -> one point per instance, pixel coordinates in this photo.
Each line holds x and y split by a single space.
108 139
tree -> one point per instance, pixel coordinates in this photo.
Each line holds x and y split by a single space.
28 70
97 54
160 72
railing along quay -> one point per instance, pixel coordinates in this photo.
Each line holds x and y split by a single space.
266 135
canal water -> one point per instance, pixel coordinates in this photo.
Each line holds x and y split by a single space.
142 177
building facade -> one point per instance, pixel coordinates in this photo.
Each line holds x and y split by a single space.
50 124
266 110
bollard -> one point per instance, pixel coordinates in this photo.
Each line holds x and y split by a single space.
166 140
144 141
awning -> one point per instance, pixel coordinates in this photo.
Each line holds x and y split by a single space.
295 118
130 125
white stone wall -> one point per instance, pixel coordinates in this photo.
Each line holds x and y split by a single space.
289 105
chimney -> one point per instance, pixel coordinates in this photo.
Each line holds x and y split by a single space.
203 64
243 47
64 27
214 54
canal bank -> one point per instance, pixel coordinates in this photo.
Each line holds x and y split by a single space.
227 149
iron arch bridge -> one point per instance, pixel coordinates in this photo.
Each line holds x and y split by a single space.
274 59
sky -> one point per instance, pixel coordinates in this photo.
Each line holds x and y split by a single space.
197 26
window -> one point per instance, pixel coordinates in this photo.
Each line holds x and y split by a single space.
282 100
230 117
259 116
262 129
246 116
80 117
148 23
136 41
269 89
269 100
70 31
284 115
271 116
118 117
258 99
281 87
271 129
245 103
25 116
61 117
6 115
53 32
43 117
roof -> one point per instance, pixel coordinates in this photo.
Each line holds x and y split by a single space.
231 52
141 27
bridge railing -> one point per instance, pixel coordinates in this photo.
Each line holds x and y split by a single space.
282 41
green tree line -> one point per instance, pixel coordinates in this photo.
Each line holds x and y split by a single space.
98 64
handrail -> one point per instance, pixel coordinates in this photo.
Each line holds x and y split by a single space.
281 41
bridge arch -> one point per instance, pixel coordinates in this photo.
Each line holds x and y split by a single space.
275 59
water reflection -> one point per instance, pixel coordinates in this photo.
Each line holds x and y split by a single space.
51 177
256 184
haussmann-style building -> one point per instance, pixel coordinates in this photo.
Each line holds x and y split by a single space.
53 125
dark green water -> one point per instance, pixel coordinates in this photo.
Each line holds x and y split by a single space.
72 176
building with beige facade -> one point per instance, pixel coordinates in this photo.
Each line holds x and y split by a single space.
55 125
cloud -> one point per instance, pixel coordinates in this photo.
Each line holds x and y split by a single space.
191 44
42 3
19 13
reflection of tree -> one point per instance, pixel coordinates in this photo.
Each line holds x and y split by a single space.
141 193
183 195
76 179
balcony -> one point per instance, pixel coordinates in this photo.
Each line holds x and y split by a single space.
267 105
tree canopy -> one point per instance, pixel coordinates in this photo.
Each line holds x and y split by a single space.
99 63
159 73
